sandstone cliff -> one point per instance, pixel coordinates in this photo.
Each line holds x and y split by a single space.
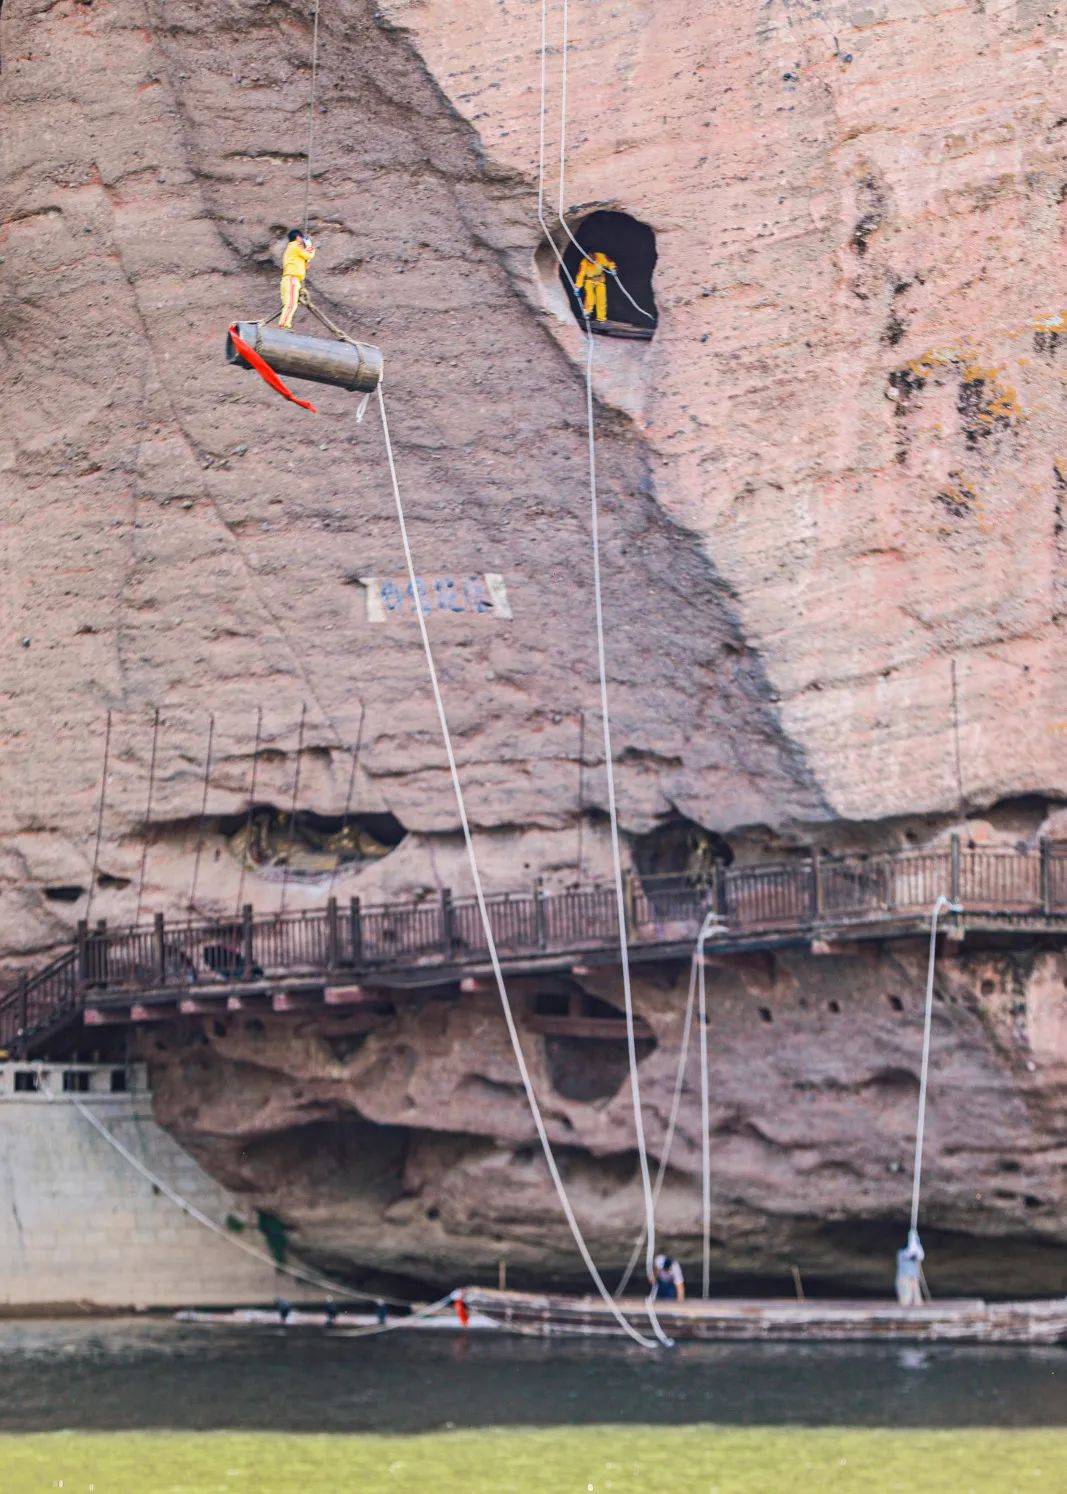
832 488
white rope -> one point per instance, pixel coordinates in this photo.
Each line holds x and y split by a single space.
563 86
942 904
672 1122
705 1119
297 1273
605 714
311 113
498 974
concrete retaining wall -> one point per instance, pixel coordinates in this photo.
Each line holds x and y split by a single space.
78 1226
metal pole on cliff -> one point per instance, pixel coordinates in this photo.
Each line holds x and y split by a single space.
147 816
203 811
247 854
99 816
292 811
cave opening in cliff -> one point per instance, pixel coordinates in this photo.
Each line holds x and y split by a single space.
306 843
64 893
631 247
586 1051
676 855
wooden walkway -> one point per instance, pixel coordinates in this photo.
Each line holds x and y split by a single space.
351 955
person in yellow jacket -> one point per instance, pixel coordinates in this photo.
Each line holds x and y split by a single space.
299 252
592 281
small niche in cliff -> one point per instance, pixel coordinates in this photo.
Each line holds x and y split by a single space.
64 893
308 844
631 247
585 1042
677 854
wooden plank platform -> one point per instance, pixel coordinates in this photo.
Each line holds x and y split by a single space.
955 1320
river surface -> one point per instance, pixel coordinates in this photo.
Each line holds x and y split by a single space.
155 1374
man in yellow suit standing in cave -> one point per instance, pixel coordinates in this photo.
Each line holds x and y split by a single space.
592 282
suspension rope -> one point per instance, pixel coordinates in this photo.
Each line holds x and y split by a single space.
251 812
494 958
672 1122
99 817
311 113
331 326
292 812
605 714
296 1273
348 796
564 69
203 810
942 904
705 1125
147 817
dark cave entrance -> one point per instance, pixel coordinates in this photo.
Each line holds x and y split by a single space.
632 247
309 844
678 854
585 1041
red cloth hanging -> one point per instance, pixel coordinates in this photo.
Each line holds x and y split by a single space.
461 1312
265 371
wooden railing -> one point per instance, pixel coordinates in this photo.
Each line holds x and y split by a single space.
814 894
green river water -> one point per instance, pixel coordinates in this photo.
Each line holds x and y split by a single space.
123 1407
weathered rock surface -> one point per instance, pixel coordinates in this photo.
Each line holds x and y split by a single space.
833 538
411 1151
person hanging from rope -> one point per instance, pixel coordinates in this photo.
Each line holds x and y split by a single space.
592 282
299 252
909 1281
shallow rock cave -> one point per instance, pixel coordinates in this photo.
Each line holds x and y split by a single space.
409 1154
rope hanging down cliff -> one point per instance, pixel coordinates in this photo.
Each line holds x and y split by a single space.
914 1249
564 72
594 510
483 910
296 1273
311 113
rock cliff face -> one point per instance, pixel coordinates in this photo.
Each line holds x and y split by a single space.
832 492
410 1151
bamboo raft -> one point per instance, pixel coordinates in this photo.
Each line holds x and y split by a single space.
955 1320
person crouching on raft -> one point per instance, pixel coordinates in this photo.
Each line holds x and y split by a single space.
299 252
667 1280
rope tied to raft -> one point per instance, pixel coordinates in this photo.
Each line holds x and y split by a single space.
594 510
295 1273
331 326
483 910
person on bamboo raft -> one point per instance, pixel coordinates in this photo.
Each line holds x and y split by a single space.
668 1283
299 252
